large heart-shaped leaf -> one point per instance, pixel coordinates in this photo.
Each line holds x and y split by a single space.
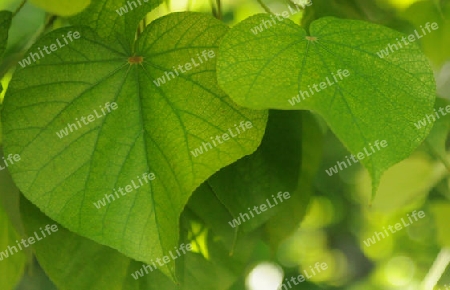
337 70
154 129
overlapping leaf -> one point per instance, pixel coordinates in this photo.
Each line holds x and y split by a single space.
12 263
99 267
205 208
436 140
5 23
291 213
255 180
62 7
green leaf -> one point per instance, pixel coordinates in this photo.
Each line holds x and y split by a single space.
379 99
11 267
205 208
1 130
69 251
290 214
154 129
62 7
441 215
114 20
404 185
99 267
254 179
350 9
9 196
5 23
421 12
25 26
436 140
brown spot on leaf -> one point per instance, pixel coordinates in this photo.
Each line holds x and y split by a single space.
135 59
311 38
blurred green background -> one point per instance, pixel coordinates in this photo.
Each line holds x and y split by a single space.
341 215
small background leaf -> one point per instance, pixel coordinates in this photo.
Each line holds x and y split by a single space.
12 267
103 18
434 43
404 185
62 7
274 167
5 23
441 214
290 214
436 140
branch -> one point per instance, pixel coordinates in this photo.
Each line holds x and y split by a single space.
436 271
19 8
